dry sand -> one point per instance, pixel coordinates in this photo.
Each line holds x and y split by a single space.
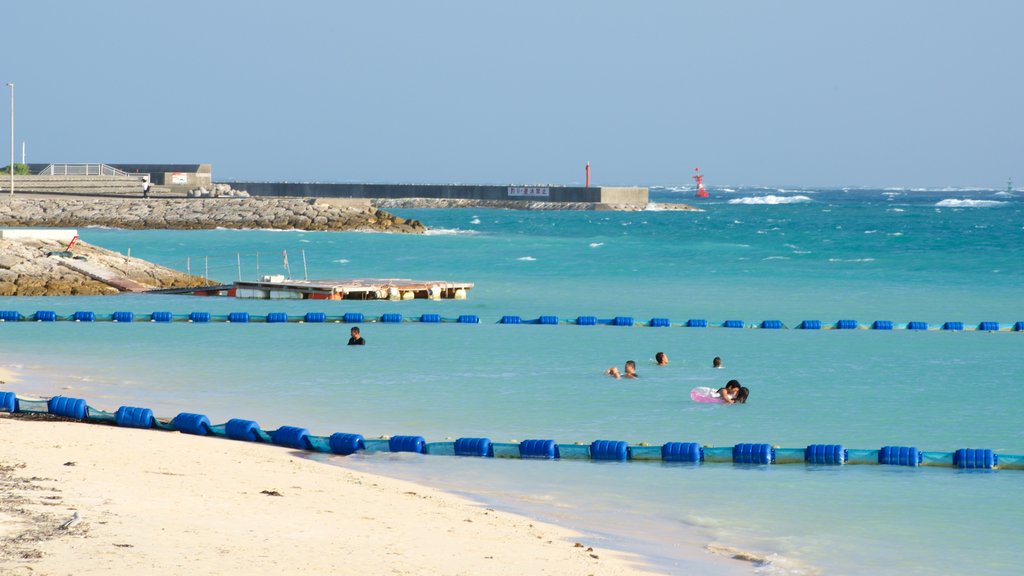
169 503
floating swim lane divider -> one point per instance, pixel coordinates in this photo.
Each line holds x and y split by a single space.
343 443
165 317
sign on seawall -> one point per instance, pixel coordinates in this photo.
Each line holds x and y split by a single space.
529 191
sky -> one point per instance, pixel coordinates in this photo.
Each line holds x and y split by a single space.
790 93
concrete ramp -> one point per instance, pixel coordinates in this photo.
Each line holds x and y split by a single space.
103 274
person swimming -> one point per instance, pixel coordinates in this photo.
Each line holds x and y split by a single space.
716 363
628 372
741 395
730 391
661 359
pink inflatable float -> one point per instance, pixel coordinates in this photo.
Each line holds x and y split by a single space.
706 395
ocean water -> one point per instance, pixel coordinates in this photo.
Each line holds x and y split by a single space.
753 254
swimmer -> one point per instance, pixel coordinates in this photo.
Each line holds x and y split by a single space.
356 339
741 395
661 359
628 372
716 363
730 391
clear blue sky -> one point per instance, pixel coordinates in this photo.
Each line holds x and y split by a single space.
873 93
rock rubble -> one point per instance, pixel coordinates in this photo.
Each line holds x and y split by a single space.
199 213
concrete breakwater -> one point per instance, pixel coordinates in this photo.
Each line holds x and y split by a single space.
199 213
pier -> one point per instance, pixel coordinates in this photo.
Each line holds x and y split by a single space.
279 288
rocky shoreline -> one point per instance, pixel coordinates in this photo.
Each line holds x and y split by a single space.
27 268
199 214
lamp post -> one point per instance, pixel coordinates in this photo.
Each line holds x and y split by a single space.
11 84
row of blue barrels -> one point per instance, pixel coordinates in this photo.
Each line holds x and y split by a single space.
356 317
545 449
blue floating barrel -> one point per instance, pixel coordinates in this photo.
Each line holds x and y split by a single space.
1018 327
430 318
586 320
541 449
682 452
825 454
352 317
132 417
238 429
83 316
345 444
810 325
277 317
10 316
696 323
659 323
989 326
953 326
882 325
917 325
511 320
199 317
622 321
391 317
753 454
975 458
291 437
614 450
733 324
239 317
189 423
315 317
67 407
480 447
161 317
407 444
899 456
122 317
8 402
547 320
45 316
469 319
846 325
772 324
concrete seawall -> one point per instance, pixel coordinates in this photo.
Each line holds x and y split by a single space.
633 196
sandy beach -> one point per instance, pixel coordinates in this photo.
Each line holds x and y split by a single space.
141 500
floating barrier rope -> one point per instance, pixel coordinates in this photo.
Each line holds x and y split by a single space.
395 318
544 449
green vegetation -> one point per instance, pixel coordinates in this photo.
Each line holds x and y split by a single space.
19 169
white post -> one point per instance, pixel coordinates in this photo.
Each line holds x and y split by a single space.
257 266
11 84
188 265
22 151
305 272
239 256
207 274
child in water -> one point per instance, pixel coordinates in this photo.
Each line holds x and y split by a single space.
629 372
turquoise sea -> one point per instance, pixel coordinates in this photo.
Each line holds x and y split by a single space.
753 254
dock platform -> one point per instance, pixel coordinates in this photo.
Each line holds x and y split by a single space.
279 288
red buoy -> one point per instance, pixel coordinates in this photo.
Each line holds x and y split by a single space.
701 191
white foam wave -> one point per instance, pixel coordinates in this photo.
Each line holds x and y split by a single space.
802 252
449 232
776 258
475 220
526 259
596 244
895 234
871 231
968 203
851 259
770 199
341 261
895 210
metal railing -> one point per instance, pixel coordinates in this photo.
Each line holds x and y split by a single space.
81 170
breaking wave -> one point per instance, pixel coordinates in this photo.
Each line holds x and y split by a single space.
770 199
967 203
